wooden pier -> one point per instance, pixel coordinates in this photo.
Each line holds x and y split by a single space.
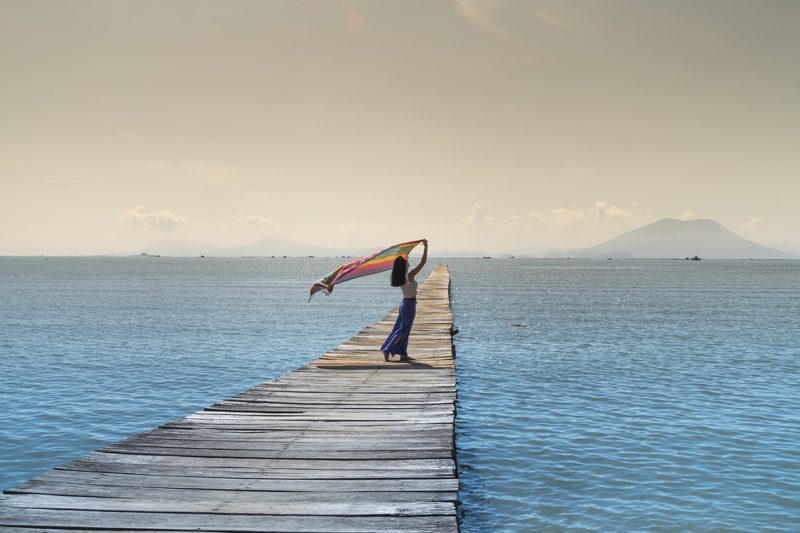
347 443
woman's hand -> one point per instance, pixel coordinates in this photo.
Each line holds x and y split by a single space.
416 270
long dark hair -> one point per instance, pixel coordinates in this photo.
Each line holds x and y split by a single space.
399 271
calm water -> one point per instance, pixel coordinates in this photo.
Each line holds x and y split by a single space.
593 395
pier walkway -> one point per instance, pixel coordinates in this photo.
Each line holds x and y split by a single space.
347 443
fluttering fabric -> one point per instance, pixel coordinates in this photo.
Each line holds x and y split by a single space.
369 264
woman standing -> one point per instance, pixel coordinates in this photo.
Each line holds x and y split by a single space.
397 341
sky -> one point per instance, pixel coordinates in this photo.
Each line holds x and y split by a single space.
499 126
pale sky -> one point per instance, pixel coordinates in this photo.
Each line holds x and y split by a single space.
503 126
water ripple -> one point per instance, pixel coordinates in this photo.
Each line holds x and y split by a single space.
642 397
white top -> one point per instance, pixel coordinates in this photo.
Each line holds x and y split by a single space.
409 289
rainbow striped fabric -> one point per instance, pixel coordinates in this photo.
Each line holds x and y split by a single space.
369 264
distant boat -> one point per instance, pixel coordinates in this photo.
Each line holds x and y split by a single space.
695 258
487 256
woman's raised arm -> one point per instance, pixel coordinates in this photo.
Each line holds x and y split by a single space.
422 261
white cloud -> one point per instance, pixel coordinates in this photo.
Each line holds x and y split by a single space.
253 221
164 220
540 219
606 210
752 223
479 216
564 218
556 220
688 215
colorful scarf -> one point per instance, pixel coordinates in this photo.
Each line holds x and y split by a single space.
369 264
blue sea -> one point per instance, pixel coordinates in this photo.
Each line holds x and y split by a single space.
623 395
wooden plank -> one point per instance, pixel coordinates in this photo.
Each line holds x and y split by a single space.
365 508
242 494
287 468
87 520
234 480
311 436
347 443
321 425
296 443
283 453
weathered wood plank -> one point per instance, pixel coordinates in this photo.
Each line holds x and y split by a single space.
344 442
364 508
322 425
219 479
418 466
205 494
283 453
232 482
49 518
311 436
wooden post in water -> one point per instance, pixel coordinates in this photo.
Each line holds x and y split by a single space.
347 443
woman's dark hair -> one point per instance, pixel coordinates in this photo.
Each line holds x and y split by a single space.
399 271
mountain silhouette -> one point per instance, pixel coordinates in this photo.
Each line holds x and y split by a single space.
672 238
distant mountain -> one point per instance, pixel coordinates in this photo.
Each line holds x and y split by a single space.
671 238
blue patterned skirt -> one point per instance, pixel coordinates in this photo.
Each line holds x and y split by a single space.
397 341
